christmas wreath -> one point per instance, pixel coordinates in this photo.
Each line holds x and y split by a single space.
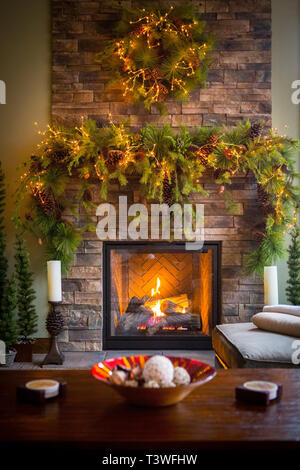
157 54
169 167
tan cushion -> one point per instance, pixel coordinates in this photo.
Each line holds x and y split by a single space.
282 323
291 309
245 345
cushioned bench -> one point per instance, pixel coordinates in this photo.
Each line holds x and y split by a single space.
244 345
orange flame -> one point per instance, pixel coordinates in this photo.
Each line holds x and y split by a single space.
156 291
156 309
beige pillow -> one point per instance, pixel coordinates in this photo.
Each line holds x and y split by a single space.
282 323
291 309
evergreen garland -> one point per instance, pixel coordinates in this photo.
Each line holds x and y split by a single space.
293 282
158 52
169 165
9 331
27 316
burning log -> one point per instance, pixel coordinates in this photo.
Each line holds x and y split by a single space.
175 321
135 303
140 316
136 315
129 322
180 301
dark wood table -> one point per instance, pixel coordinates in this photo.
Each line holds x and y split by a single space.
93 416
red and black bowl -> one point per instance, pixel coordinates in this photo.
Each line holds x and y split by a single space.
200 373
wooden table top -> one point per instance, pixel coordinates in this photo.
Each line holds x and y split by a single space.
93 416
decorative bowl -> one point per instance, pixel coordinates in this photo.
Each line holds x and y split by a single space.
200 373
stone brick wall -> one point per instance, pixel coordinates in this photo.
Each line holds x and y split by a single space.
238 87
239 82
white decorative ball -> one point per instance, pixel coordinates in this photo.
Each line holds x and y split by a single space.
168 384
181 376
151 384
131 383
158 368
118 377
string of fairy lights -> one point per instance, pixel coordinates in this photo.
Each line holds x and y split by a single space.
52 137
81 152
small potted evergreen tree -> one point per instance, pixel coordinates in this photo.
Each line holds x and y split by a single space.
293 282
27 317
8 325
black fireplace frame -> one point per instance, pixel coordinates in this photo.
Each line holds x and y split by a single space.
160 343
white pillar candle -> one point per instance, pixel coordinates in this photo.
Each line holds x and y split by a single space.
271 285
54 281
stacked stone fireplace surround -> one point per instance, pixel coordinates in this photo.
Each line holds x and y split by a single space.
238 87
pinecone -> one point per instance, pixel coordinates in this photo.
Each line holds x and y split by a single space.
193 148
139 156
162 92
54 322
57 155
113 158
218 173
87 195
259 233
35 165
47 201
264 202
156 74
168 188
211 143
255 130
202 156
204 151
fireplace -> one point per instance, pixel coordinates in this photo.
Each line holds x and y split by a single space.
160 295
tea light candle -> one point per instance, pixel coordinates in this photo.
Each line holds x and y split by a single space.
263 386
270 285
50 387
54 281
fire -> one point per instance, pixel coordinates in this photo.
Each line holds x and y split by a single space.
156 309
155 304
156 291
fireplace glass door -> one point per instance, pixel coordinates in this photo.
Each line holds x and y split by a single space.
156 290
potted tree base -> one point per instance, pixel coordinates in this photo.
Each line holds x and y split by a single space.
8 325
9 358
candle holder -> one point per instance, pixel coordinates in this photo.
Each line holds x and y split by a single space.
54 325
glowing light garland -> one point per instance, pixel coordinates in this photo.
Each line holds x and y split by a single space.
81 152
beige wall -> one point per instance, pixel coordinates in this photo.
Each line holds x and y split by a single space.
285 69
25 67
